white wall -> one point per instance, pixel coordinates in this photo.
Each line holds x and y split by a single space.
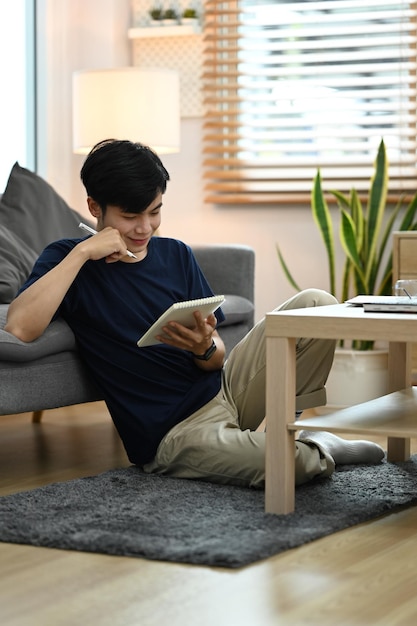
72 35
81 34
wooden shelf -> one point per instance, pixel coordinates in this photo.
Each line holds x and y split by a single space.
393 415
164 31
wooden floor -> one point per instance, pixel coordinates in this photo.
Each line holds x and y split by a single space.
363 576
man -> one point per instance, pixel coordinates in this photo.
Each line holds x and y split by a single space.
178 407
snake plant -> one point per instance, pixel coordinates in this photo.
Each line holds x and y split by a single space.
364 234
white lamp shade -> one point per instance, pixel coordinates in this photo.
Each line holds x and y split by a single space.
126 103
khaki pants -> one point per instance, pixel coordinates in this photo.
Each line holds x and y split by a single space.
218 442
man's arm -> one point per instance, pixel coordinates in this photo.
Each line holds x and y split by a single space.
31 312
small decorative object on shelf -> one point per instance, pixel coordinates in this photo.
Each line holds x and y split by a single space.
156 14
167 19
170 17
189 17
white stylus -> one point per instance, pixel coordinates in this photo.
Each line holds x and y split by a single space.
94 232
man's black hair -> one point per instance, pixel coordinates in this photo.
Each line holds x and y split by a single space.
123 173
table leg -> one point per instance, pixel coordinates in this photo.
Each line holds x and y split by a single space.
398 449
399 377
399 366
280 410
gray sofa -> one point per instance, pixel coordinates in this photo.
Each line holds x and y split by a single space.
48 372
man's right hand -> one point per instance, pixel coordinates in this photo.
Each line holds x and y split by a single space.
106 244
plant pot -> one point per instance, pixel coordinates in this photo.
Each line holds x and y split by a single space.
189 21
356 376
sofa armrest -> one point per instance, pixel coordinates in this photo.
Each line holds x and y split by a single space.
229 268
58 337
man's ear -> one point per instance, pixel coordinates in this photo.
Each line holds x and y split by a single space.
94 207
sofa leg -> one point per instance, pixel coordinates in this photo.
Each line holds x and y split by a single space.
36 417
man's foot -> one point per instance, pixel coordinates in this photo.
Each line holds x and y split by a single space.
343 451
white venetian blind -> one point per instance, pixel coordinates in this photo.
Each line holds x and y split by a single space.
291 87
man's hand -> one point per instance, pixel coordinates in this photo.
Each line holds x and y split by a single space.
107 243
196 340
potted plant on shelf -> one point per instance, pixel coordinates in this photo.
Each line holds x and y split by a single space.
365 235
156 16
170 17
189 17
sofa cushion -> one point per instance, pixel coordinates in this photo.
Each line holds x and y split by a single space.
236 310
58 337
34 211
16 262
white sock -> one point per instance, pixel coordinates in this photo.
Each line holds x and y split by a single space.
343 451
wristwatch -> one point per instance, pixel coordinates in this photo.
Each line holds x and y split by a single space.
208 353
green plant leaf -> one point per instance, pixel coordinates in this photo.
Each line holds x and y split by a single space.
385 286
356 211
375 211
346 278
341 198
323 220
409 215
287 271
348 240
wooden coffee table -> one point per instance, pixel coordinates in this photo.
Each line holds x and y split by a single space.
393 415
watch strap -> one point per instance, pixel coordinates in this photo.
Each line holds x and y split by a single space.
208 353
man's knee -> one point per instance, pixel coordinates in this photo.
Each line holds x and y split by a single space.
311 297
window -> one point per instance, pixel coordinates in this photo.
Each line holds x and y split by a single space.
17 75
291 87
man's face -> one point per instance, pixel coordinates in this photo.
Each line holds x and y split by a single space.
136 229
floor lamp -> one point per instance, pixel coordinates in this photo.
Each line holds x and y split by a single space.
126 103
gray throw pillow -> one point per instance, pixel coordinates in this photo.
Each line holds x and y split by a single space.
16 262
33 210
236 310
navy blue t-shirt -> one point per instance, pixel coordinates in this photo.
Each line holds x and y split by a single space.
109 306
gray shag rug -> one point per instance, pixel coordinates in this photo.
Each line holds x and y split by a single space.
126 512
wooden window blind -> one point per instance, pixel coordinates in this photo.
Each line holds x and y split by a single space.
290 87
